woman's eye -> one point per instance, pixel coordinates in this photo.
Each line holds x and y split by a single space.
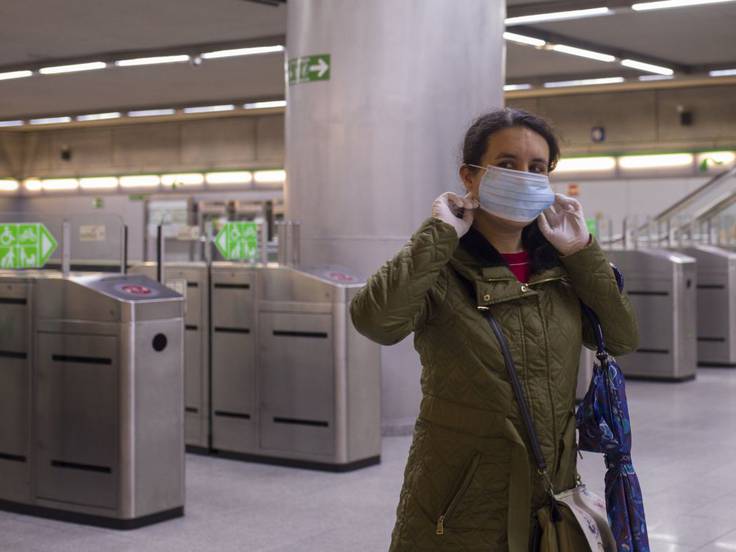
539 169
506 165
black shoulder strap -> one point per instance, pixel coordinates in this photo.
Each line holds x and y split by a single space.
519 392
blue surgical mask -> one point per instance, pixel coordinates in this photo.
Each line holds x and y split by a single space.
514 195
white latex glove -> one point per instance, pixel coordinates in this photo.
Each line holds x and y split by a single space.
455 210
563 224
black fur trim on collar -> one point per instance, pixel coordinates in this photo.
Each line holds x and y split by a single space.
543 255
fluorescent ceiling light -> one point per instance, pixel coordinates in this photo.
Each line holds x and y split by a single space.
91 66
155 60
557 16
640 65
140 181
8 185
189 179
98 116
717 157
54 184
580 52
663 4
655 77
723 73
584 82
270 177
242 52
16 123
585 164
512 87
655 161
521 39
15 75
231 177
209 108
32 184
98 183
265 105
51 120
151 112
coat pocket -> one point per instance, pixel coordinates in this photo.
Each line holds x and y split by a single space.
567 460
457 496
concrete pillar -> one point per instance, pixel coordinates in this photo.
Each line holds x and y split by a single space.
369 149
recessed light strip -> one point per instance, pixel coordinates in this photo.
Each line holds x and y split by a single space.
99 116
557 16
584 82
58 69
580 52
243 52
523 39
723 73
665 4
155 60
640 65
15 75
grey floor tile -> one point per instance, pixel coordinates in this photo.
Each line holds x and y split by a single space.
684 452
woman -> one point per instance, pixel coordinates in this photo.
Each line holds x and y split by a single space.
511 246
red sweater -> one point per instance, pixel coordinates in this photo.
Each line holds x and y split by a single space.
520 265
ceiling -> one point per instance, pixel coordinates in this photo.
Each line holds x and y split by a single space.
691 39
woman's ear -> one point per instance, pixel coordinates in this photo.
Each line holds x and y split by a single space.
471 180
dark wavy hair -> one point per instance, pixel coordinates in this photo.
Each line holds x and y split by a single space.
475 144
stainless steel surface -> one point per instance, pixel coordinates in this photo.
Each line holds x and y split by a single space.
661 285
106 421
716 299
194 277
15 389
368 150
233 413
291 377
288 234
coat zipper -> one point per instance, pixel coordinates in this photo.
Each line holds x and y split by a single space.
470 472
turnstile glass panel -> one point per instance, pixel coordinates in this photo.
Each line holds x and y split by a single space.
296 380
77 413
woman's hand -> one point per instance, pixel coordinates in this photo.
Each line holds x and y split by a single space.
455 210
563 224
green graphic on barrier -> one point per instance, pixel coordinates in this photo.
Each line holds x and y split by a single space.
592 226
309 69
25 245
238 241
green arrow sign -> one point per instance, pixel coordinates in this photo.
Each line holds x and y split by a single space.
592 226
238 241
309 69
25 245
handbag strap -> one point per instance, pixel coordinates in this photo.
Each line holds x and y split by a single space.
520 399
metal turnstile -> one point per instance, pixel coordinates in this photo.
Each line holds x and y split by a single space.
662 287
95 427
191 279
292 381
716 300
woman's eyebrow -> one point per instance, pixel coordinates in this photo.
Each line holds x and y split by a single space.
510 155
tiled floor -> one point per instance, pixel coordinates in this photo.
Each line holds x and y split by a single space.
684 450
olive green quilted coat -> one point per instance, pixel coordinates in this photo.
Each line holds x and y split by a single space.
470 482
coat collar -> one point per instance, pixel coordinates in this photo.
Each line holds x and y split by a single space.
487 275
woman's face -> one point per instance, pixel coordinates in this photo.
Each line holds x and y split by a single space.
517 148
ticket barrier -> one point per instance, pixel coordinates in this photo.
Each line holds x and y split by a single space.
661 285
91 393
716 305
191 279
293 382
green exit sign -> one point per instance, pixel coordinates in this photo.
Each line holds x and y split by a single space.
309 69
